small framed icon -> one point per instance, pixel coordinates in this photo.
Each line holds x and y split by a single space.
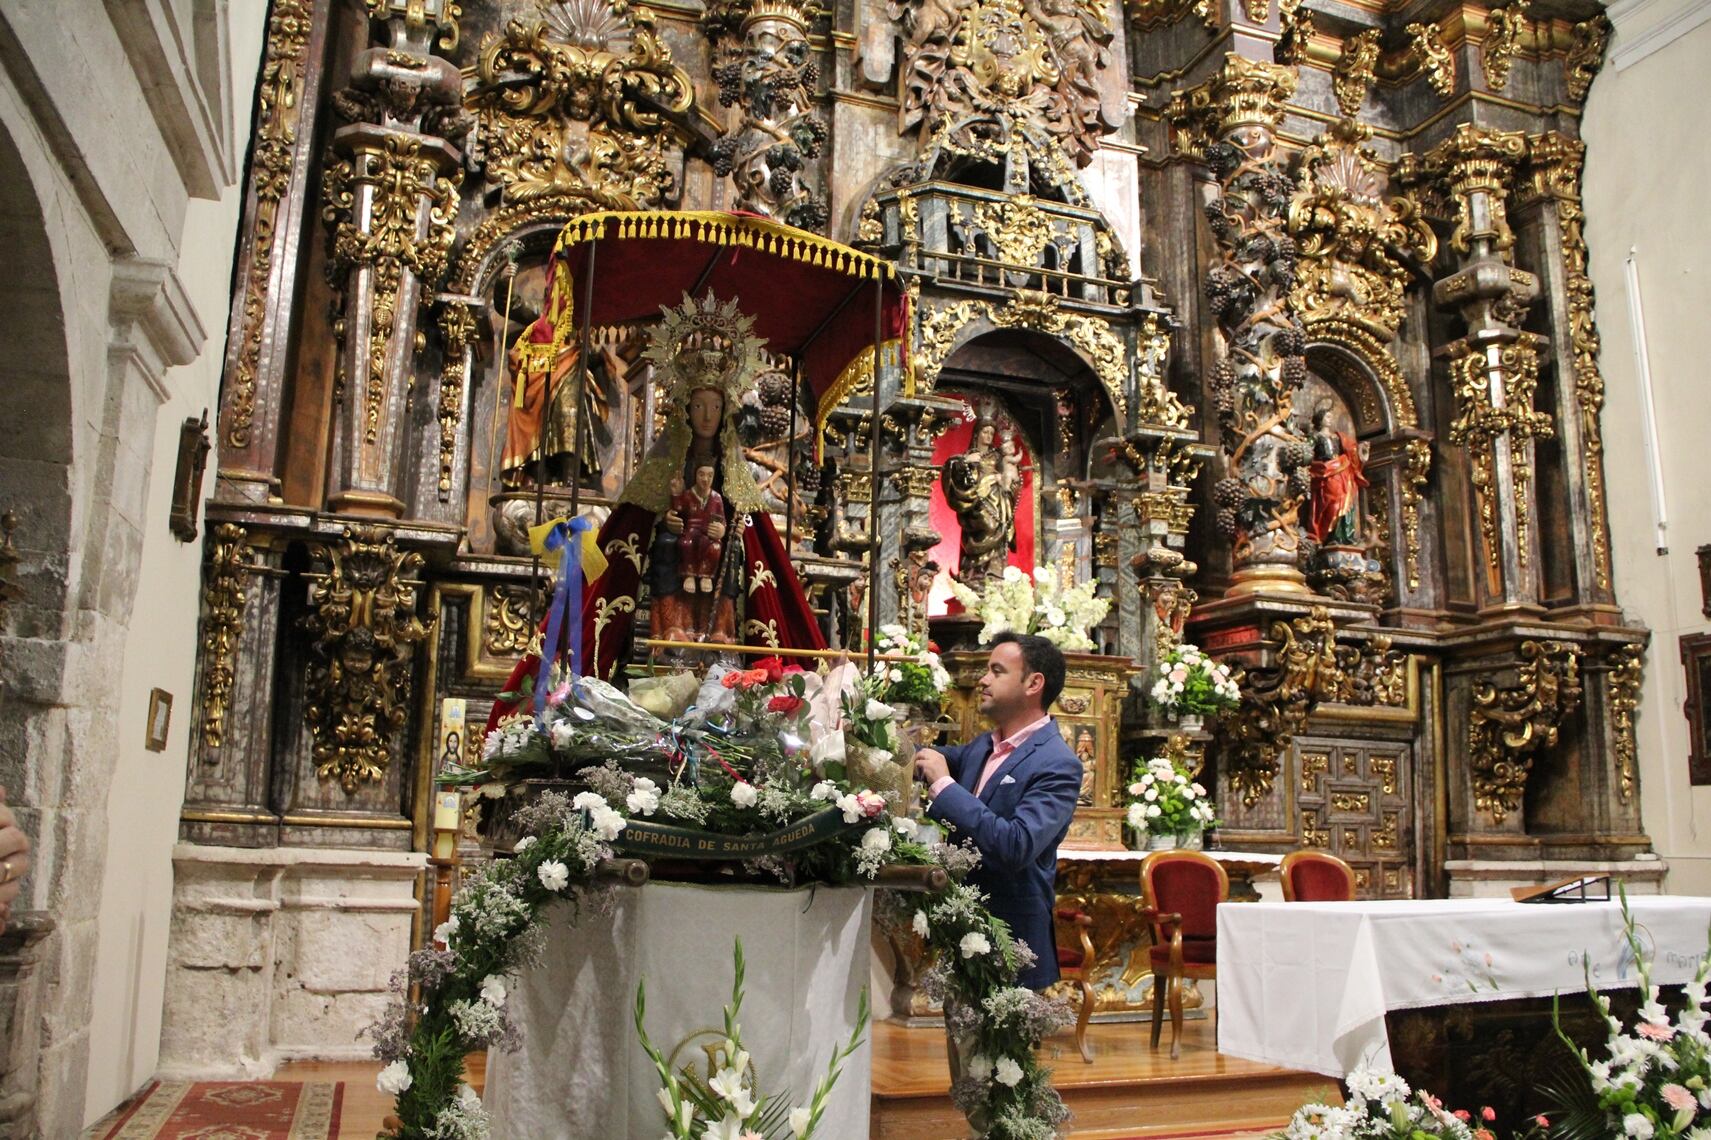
160 720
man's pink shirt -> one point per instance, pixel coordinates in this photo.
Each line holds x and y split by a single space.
1000 753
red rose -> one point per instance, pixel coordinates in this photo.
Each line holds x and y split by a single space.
785 703
772 667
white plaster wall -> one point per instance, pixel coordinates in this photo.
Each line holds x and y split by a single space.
1647 169
147 788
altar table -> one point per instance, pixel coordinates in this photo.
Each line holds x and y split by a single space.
1307 985
581 1071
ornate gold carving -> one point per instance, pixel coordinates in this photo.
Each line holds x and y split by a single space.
1384 767
230 559
420 15
1352 242
1388 836
1356 71
1258 363
278 112
1556 162
457 325
1018 229
1419 466
1483 419
591 128
1584 59
987 79
506 626
1478 161
1351 801
1147 15
1312 834
1626 676
1427 49
1101 347
1369 673
403 180
1156 404
362 616
1277 700
1507 726
1313 765
1502 39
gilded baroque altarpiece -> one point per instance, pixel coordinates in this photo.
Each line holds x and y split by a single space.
1279 313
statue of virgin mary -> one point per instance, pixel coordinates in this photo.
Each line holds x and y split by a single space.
707 358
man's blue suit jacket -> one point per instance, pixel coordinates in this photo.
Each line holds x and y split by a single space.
1016 822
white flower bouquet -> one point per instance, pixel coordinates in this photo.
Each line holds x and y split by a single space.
1046 605
1380 1106
1164 800
1192 684
1656 1081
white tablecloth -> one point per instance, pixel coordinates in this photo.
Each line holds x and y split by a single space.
582 1074
1306 985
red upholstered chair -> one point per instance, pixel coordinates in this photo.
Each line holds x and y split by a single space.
1314 876
1181 891
1075 963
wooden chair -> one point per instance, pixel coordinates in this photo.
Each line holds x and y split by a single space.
1315 876
1181 891
1075 963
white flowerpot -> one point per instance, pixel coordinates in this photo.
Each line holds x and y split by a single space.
1191 722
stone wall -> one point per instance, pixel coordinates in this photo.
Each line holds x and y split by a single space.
113 118
280 953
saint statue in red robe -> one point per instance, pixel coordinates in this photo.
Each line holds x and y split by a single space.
1335 479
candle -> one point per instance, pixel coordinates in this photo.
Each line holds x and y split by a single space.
447 811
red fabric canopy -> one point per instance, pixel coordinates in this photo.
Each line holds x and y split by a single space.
813 299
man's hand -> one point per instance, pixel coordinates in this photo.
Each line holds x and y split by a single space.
673 522
715 529
931 765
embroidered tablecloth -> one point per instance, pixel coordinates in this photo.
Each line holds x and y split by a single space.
1307 985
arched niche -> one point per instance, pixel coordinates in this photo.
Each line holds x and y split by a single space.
1048 399
36 441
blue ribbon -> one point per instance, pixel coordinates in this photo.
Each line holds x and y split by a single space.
566 603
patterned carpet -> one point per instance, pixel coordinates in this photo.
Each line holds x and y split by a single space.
227 1110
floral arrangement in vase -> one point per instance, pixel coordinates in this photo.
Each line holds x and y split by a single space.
1656 1081
1045 604
1192 684
1381 1106
1165 802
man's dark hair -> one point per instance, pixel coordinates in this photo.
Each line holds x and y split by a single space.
1038 656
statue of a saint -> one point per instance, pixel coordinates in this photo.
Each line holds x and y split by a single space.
1335 479
538 437
982 486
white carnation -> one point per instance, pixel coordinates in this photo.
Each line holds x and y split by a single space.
643 800
493 990
974 943
588 801
920 924
607 822
554 876
744 794
823 791
1007 1072
394 1079
876 840
523 844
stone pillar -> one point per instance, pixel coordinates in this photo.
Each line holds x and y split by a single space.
392 194
280 954
270 250
1259 361
1494 369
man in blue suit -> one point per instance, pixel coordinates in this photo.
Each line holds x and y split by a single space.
1012 791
